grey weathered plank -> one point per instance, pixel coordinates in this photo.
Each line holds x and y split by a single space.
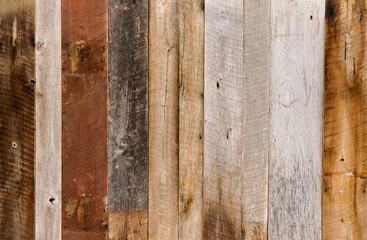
191 118
48 120
257 35
296 96
17 125
163 119
128 119
223 128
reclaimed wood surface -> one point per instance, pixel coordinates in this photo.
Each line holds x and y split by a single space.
257 34
128 119
223 133
84 119
345 116
191 118
17 125
163 119
296 90
48 120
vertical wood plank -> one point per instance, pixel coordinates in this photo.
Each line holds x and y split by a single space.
191 118
296 119
257 35
17 79
84 120
345 142
223 135
128 119
163 119
48 120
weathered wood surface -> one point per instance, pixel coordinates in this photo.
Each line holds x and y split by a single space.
191 118
17 79
345 116
48 120
296 96
163 119
257 34
84 120
223 133
128 119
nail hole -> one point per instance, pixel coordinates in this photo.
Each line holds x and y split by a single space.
218 85
311 17
52 199
14 144
33 82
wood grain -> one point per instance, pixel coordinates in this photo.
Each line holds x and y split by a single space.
17 125
191 118
48 120
345 109
257 35
84 120
296 80
163 119
128 119
223 129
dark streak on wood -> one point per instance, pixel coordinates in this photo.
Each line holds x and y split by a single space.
17 121
128 112
84 120
345 111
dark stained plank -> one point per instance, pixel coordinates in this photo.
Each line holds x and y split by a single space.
345 117
17 79
128 119
84 120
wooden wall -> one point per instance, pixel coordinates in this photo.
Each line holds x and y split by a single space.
183 119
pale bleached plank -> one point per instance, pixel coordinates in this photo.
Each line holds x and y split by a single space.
295 165
345 116
223 133
163 119
257 34
48 119
191 119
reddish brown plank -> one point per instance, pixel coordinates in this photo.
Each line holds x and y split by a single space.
84 129
17 119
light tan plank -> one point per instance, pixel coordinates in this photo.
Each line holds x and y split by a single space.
163 119
296 119
48 119
257 34
191 119
223 135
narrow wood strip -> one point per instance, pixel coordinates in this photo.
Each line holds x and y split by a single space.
296 119
163 119
257 35
17 130
223 135
48 119
191 118
345 116
128 119
84 120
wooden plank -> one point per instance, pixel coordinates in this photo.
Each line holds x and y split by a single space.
191 118
296 119
345 109
48 120
84 120
163 119
257 34
223 133
128 119
17 79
